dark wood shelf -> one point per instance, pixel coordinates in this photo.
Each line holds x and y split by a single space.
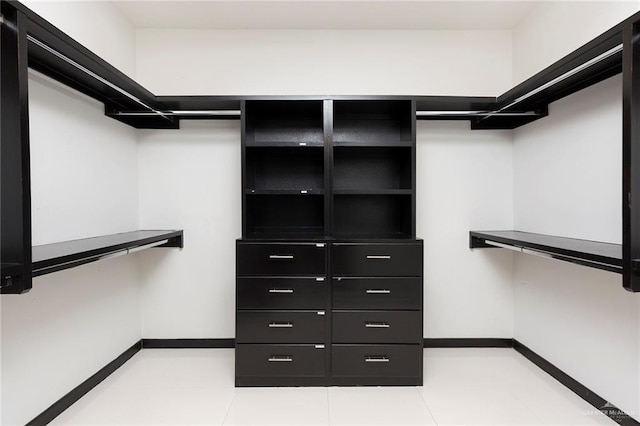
309 191
606 256
381 191
54 257
367 143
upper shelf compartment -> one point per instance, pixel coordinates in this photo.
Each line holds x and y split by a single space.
283 123
606 256
68 254
372 123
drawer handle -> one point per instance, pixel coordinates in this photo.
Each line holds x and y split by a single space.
377 325
378 291
281 256
281 290
376 256
280 358
280 325
376 359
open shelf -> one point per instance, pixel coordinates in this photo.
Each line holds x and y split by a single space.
291 169
364 168
372 123
606 256
54 257
283 123
284 214
372 216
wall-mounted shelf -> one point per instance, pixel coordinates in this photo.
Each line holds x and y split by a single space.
54 257
606 256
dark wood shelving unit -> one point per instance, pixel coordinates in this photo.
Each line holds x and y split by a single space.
606 256
355 162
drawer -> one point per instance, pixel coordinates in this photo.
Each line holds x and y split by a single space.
377 327
281 327
280 258
373 259
377 293
281 293
280 360
376 360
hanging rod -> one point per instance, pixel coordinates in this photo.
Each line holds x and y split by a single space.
94 75
570 73
183 113
473 113
556 256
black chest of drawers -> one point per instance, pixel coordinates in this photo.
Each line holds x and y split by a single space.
328 313
329 270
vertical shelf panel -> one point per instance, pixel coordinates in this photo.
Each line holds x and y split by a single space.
15 167
631 158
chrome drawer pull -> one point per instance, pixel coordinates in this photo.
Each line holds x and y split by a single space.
280 358
280 290
378 291
376 359
377 325
375 256
280 325
280 256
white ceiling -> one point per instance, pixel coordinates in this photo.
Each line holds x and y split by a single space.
327 14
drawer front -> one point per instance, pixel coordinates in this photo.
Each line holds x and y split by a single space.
377 327
281 327
281 293
376 360
373 260
377 293
280 259
279 360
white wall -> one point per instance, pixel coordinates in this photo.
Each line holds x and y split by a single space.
84 174
556 28
190 179
199 166
567 181
97 25
307 62
464 183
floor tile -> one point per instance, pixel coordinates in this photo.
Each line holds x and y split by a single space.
377 406
279 406
476 405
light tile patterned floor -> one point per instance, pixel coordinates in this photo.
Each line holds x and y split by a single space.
461 387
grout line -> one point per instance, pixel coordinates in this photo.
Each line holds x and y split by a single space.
328 408
424 401
226 415
525 405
